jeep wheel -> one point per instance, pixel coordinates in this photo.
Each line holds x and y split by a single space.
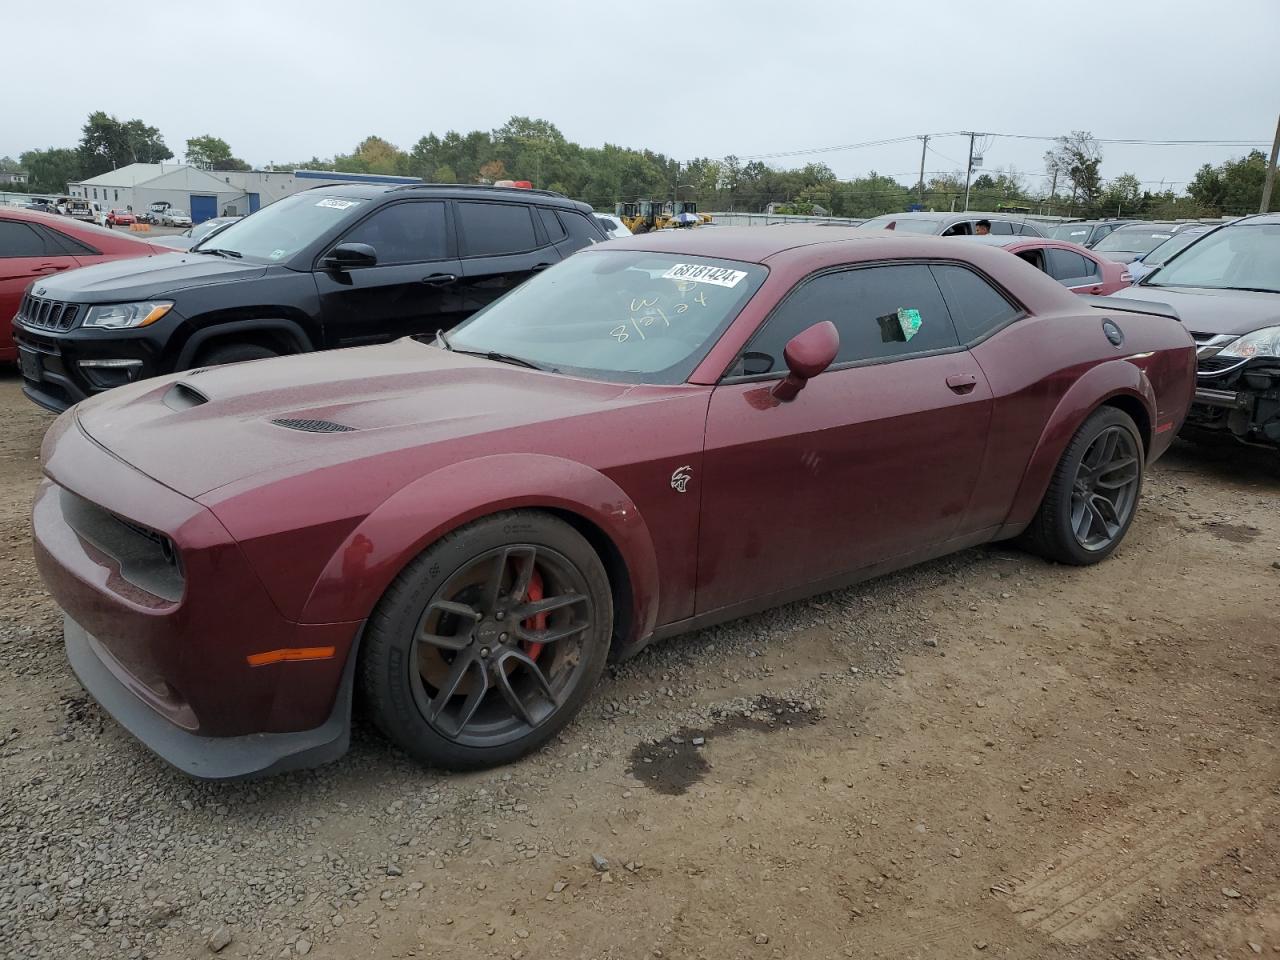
489 642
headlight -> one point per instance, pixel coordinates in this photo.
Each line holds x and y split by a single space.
124 316
1260 343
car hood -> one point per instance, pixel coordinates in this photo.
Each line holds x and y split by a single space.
1205 310
203 429
142 279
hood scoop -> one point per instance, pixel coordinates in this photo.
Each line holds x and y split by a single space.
183 396
312 426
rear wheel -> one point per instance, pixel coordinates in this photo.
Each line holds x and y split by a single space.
1094 492
489 642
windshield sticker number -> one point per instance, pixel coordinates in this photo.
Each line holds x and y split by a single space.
704 273
336 204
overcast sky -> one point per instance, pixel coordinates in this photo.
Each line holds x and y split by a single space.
284 82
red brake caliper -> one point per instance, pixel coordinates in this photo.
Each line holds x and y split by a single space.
538 621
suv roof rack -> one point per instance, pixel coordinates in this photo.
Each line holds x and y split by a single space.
482 186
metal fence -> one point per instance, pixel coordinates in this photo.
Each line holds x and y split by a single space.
768 219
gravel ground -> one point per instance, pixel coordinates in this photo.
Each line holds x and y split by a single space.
987 755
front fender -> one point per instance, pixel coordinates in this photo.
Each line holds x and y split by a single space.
1103 383
409 521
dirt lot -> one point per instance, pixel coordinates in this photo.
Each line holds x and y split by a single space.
988 756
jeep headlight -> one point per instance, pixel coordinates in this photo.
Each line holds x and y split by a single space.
125 316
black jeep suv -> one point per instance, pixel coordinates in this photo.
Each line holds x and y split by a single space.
330 267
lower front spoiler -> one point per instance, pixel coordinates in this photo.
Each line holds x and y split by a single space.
211 758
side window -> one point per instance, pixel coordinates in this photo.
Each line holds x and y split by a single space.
410 232
1069 267
1002 228
495 229
1033 257
882 313
20 240
580 228
961 229
68 244
976 307
551 223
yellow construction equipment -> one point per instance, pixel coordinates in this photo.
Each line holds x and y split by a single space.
641 216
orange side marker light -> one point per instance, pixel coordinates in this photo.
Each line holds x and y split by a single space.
289 653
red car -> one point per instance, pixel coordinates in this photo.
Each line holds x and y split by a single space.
35 245
1077 268
120 218
657 434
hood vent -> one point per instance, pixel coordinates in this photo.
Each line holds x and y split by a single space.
182 396
312 426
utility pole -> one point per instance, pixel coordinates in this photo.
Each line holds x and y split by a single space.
924 147
1053 189
1271 172
968 172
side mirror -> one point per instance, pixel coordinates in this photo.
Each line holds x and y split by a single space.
808 353
348 256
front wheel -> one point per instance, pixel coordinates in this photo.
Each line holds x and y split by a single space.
1094 492
488 642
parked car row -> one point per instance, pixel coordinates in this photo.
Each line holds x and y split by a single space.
480 513
462 530
331 267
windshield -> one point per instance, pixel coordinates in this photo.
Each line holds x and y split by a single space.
280 230
1072 232
1135 239
624 315
904 224
1174 245
1243 256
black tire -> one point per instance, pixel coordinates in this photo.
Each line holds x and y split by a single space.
234 353
1079 492
497 681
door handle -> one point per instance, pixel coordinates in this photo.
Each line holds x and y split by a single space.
539 267
51 267
962 382
440 279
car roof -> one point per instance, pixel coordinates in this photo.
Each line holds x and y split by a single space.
754 245
370 191
69 225
949 216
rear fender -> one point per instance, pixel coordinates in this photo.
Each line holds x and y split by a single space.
1103 383
419 514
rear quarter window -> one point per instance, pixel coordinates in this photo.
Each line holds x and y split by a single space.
977 308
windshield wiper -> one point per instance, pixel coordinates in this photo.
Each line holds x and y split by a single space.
221 252
500 358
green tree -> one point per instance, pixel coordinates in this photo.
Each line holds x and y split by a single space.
107 143
213 153
1122 195
1233 187
1078 158
49 171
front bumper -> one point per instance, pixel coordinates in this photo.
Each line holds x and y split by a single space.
167 623
57 369
1241 402
208 758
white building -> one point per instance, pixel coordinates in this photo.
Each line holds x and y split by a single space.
206 193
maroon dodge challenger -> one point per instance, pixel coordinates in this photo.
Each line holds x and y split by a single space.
660 433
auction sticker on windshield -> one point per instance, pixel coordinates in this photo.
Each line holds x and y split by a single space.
705 273
337 204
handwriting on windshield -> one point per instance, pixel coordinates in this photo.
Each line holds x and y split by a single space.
645 315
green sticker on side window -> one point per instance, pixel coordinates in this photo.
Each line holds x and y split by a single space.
909 320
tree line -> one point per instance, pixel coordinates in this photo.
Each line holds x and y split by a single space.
525 148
